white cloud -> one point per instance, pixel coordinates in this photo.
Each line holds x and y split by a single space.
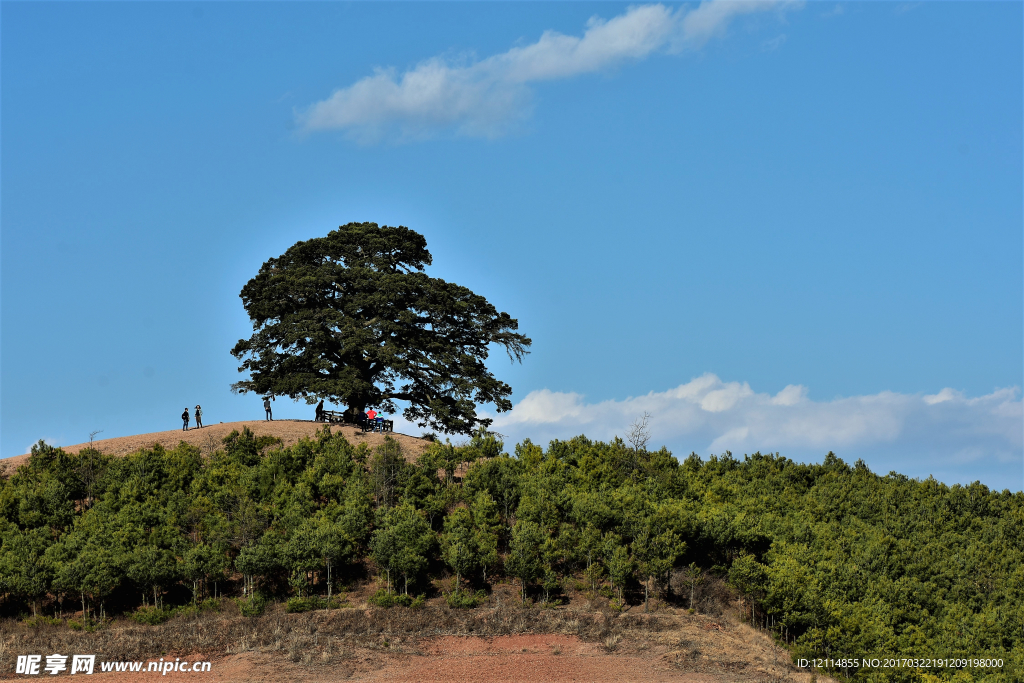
790 396
489 97
943 430
711 19
946 394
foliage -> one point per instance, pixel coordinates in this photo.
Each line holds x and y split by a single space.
384 598
835 561
151 615
313 602
252 606
466 600
352 318
42 620
158 615
458 547
524 558
401 542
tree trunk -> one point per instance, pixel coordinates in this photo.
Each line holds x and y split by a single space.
354 409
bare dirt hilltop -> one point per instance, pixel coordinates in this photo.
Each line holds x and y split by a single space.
209 438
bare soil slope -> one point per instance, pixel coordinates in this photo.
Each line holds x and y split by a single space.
502 642
209 438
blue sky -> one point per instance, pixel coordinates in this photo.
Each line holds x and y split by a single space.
779 227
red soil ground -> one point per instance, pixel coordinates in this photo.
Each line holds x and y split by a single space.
527 658
368 644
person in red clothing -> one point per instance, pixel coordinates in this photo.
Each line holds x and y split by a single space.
370 414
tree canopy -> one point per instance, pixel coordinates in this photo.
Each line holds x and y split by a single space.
353 319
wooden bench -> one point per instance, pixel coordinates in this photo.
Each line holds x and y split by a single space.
377 425
337 416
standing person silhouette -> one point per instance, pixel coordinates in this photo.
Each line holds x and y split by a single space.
199 417
319 411
184 419
266 407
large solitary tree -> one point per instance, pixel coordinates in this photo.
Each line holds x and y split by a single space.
353 319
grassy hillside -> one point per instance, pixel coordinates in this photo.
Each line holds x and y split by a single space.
837 562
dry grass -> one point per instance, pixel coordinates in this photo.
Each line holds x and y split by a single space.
357 638
314 633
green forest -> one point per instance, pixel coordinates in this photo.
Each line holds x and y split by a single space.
838 562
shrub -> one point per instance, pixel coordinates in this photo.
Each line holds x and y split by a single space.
151 615
252 607
295 605
384 599
154 615
87 625
210 604
313 602
410 601
466 600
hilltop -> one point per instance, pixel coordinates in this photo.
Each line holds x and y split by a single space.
209 438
